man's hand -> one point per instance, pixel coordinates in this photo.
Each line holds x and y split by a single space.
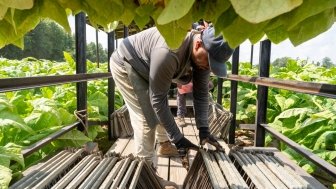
206 137
183 145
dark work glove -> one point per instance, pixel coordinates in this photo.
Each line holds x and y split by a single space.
206 137
183 145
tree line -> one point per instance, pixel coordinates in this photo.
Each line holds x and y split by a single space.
48 41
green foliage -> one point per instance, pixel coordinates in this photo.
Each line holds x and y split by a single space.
236 20
28 116
306 119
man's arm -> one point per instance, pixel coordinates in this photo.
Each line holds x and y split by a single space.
162 69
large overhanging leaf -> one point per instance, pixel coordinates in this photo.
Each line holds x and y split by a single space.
256 11
311 27
53 10
237 20
17 4
175 10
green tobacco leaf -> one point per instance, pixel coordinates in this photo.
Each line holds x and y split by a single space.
18 4
103 12
73 138
173 34
10 152
145 10
175 10
214 8
256 11
74 5
327 155
5 177
286 103
3 11
67 118
311 27
308 9
326 141
240 30
99 99
5 105
277 35
68 58
225 19
29 140
312 137
293 112
9 119
129 14
53 10
141 21
256 37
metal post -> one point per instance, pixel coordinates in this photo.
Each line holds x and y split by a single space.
126 32
111 85
80 29
219 90
251 60
97 49
233 98
264 68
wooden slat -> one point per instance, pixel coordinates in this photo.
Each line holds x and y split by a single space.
189 133
119 145
163 167
129 149
177 172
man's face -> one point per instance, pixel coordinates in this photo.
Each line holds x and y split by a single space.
199 54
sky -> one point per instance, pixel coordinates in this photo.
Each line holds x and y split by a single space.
323 45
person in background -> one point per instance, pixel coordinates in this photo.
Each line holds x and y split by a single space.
143 68
184 90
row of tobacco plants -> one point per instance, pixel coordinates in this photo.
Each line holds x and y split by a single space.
27 116
308 120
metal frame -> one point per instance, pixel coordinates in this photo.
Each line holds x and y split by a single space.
263 82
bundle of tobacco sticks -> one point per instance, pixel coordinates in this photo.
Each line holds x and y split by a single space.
121 123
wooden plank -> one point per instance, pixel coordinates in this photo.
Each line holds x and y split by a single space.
163 167
129 149
189 133
177 172
188 121
119 145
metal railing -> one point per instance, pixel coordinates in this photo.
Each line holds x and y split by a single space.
263 82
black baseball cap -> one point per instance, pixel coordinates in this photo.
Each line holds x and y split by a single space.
218 51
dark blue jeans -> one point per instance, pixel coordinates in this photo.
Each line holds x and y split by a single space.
181 104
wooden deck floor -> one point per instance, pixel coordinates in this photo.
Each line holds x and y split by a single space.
168 168
172 169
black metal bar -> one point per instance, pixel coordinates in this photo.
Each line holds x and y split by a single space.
219 90
14 84
330 169
320 89
111 84
251 58
97 48
81 63
234 94
126 32
38 145
262 92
